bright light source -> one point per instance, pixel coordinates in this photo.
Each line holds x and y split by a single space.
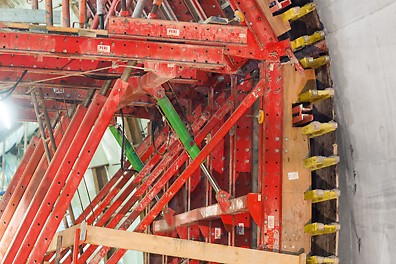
5 114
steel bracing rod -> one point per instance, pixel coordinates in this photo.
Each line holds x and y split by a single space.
173 168
43 239
19 173
27 186
194 165
145 179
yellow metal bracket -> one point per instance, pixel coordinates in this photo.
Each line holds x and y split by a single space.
313 63
316 129
297 12
306 40
313 96
316 229
320 162
317 196
322 260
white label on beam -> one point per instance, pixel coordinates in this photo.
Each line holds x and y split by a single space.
173 32
293 175
103 48
271 222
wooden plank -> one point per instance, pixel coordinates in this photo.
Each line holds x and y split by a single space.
179 247
67 238
277 24
183 248
296 212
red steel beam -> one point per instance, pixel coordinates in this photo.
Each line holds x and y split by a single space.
271 174
14 237
194 165
256 20
27 186
238 205
179 31
116 49
174 148
108 192
50 220
23 169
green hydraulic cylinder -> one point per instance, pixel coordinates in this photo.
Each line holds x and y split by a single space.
130 153
185 137
178 126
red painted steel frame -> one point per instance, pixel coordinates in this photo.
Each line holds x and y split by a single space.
19 173
116 49
26 188
23 218
194 165
53 220
271 174
174 149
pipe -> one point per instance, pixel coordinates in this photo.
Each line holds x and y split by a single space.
83 13
100 7
65 13
137 12
34 4
49 15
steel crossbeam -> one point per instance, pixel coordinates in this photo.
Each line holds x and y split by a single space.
249 203
116 49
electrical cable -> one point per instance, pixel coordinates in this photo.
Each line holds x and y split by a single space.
12 88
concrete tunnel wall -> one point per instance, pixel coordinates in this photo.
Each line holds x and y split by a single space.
361 35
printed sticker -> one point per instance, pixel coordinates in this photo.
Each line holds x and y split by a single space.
217 233
271 222
293 175
104 48
172 32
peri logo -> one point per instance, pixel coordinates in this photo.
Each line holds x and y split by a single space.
103 48
173 32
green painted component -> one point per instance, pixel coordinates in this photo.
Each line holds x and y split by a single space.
178 126
130 153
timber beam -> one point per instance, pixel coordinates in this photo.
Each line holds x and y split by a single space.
170 246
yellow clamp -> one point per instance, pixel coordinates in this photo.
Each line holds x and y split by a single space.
239 16
313 96
298 12
316 229
317 196
303 41
313 63
320 162
316 128
322 260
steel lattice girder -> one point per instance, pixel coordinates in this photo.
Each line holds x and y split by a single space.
116 49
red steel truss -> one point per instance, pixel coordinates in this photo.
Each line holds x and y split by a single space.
219 77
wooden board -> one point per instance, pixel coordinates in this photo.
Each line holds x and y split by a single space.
179 247
296 212
277 24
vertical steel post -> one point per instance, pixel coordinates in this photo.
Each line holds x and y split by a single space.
49 14
65 13
82 13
